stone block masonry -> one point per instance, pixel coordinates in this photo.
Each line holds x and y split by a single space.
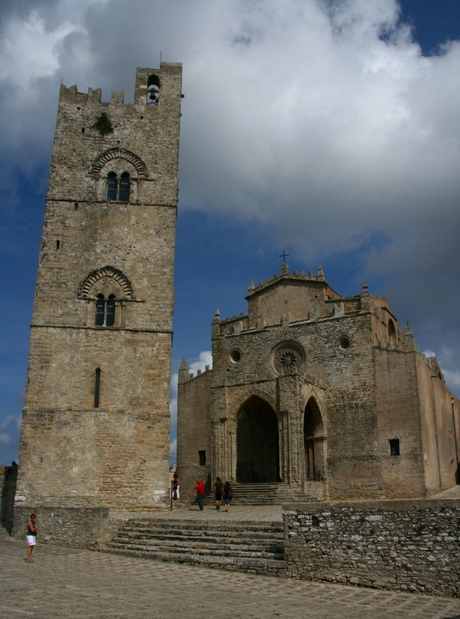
398 545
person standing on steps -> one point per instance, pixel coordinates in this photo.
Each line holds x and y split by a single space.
228 495
200 490
175 487
218 492
31 536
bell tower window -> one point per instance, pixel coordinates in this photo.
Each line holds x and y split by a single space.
112 186
105 311
110 311
123 193
118 191
153 90
100 310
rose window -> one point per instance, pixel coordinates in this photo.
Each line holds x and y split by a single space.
288 359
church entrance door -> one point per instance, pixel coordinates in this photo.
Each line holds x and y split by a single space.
257 443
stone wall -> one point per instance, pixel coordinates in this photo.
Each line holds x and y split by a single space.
398 545
8 478
72 527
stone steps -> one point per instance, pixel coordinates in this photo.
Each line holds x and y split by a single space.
244 546
275 493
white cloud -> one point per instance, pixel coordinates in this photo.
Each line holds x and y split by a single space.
10 421
29 51
204 359
320 122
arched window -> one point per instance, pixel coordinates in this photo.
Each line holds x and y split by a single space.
100 310
105 311
112 186
123 193
392 333
110 311
118 191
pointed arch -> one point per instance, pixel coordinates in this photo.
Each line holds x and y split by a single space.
257 442
240 399
119 153
314 441
106 272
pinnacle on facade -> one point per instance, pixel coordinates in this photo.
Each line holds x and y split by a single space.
365 290
409 339
183 374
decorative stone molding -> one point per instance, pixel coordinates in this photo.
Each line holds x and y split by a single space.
98 274
119 153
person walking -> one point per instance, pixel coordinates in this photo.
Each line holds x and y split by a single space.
31 536
200 490
218 492
228 495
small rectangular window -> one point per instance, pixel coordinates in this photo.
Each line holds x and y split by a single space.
394 446
97 387
202 456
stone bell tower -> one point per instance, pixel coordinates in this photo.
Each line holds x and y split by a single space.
95 426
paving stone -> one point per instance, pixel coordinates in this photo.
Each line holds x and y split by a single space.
74 584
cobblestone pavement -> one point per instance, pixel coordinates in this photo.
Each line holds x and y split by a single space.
74 584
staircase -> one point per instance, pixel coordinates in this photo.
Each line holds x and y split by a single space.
273 494
256 547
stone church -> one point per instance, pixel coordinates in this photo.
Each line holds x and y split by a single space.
95 425
324 394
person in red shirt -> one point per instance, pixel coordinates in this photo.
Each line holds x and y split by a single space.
200 490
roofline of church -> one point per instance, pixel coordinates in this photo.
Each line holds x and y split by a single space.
294 278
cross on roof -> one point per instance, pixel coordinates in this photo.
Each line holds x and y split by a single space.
284 255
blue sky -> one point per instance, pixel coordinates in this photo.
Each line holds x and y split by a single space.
325 128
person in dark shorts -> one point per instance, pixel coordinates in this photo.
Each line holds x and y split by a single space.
228 495
218 492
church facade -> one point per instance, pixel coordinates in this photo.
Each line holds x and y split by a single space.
325 393
95 425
